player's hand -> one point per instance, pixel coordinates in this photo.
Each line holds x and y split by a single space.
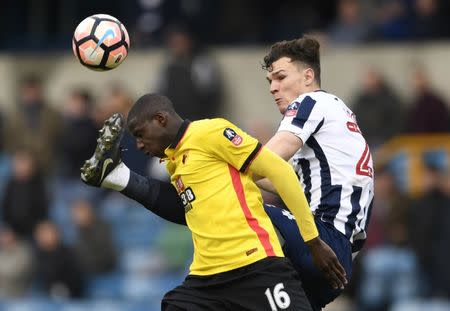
326 261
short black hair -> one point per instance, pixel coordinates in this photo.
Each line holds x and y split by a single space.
147 105
305 50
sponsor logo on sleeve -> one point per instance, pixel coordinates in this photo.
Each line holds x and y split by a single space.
179 184
232 136
292 110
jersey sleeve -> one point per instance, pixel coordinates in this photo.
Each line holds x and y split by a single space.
303 118
231 144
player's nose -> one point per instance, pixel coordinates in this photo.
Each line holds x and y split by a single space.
274 88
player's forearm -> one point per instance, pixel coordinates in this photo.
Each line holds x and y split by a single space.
287 186
157 196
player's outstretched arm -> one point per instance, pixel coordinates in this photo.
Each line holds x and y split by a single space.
267 164
283 178
157 196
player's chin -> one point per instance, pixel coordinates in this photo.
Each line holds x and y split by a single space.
281 107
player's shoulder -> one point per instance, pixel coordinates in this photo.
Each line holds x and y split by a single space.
210 124
213 132
320 97
207 127
319 100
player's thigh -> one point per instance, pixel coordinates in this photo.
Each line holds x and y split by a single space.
316 286
276 286
296 249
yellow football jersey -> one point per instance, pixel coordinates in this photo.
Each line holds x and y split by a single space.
224 209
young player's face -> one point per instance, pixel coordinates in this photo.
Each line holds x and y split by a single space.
149 137
287 82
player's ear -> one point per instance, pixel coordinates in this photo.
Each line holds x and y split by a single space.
309 76
161 118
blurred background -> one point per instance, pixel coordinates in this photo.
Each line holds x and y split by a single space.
66 246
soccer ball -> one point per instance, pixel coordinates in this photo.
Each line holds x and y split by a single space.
100 42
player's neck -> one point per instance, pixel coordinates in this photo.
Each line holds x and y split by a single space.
311 88
175 131
315 87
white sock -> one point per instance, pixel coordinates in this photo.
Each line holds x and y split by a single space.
118 178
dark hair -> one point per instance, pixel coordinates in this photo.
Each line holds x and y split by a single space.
305 50
147 105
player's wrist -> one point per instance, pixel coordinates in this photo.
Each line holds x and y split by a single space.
314 242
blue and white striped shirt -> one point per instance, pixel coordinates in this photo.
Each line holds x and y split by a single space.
334 165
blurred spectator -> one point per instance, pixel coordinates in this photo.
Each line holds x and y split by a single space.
429 226
2 129
115 99
191 77
430 21
429 112
15 265
118 99
94 245
58 270
389 272
33 124
79 133
389 201
393 20
174 245
351 25
25 201
378 109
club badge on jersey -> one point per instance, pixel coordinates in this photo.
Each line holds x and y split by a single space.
292 110
232 136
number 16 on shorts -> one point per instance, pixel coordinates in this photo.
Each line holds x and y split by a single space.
278 298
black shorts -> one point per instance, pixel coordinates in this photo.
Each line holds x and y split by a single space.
269 284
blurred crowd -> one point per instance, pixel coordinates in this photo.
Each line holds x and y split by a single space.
49 24
62 239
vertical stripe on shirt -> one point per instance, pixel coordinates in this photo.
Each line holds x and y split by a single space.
306 172
262 234
356 207
330 199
